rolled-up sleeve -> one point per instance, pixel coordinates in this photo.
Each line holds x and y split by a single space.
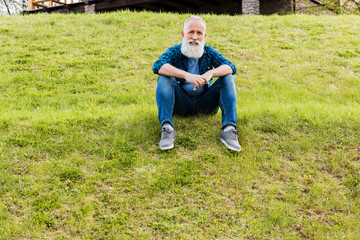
218 59
166 57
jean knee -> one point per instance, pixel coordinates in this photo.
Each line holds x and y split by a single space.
166 80
228 82
165 87
229 79
228 86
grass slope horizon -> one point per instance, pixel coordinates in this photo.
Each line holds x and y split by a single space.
79 131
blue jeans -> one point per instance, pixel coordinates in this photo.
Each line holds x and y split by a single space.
172 99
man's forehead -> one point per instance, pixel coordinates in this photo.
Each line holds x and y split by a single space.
195 23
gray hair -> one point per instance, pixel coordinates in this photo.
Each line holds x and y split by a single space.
194 17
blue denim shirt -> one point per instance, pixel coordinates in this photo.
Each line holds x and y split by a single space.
209 60
193 67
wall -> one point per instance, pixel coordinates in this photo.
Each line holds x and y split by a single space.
268 7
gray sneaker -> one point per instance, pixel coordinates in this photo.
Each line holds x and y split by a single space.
229 138
167 139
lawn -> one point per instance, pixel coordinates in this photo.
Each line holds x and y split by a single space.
79 130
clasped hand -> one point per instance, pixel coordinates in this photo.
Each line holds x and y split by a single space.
199 80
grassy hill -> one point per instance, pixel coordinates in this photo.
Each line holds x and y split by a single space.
79 131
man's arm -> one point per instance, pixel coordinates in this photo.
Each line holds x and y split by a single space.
220 71
171 71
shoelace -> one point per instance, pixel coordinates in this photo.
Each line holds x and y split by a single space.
235 132
166 132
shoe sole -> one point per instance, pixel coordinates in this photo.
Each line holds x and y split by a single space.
229 147
167 148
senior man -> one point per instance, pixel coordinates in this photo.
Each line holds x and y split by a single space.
185 85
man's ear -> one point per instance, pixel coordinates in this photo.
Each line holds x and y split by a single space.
182 34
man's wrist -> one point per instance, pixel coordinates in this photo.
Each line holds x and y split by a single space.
187 76
212 72
209 74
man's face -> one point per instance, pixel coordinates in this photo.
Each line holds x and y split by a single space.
194 32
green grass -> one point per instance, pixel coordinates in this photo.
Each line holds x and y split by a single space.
79 131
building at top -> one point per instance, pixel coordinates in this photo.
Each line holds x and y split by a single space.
232 7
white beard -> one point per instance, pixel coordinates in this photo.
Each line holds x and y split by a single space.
192 51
